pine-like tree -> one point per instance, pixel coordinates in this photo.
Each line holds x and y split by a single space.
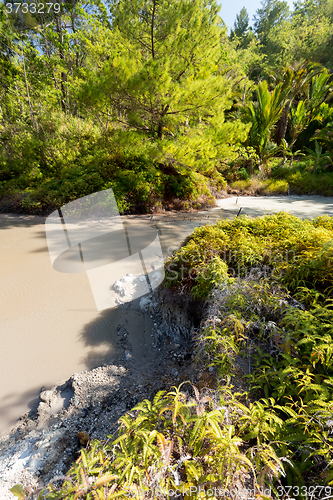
166 69
271 13
241 24
164 75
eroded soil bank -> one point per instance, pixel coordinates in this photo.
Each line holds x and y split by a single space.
45 441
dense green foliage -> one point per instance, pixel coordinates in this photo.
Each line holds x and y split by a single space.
175 424
289 355
284 37
254 265
297 252
300 179
91 104
82 160
88 91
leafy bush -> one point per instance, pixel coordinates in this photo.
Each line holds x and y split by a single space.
311 183
288 348
241 167
292 368
70 158
298 179
177 442
297 252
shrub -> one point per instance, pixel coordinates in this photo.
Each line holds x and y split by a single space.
299 179
71 158
262 187
297 252
176 442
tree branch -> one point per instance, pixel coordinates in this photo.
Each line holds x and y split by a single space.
152 30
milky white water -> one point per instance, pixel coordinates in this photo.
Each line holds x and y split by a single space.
49 324
302 206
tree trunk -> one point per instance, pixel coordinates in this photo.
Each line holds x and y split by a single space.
27 89
63 91
161 121
251 166
160 130
281 128
152 30
49 60
62 58
260 166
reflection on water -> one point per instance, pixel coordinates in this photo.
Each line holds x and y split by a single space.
88 235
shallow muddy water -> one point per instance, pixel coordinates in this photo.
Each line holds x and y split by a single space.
49 324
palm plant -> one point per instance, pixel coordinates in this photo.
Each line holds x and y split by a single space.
319 90
311 108
287 151
263 114
295 79
317 155
299 117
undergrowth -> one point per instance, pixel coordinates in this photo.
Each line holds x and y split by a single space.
294 251
81 160
288 353
302 178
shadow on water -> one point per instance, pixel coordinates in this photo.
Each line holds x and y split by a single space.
29 398
9 221
100 337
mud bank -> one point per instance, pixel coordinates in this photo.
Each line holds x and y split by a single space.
49 325
45 441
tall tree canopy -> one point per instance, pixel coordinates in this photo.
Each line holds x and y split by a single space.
165 73
164 66
241 24
272 13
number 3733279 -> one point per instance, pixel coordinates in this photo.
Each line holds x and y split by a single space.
32 8
309 492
